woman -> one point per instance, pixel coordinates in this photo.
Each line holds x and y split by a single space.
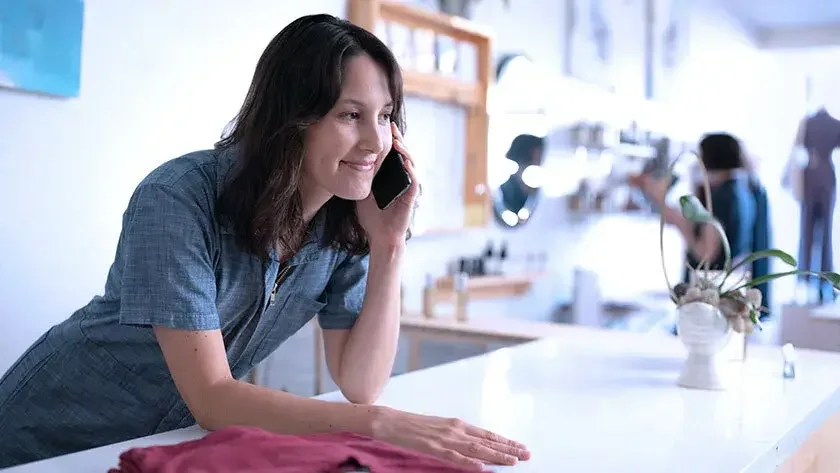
226 253
738 202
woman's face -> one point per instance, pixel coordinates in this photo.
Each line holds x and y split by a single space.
345 148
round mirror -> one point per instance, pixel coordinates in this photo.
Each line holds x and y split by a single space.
516 147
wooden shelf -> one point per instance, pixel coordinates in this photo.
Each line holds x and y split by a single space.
489 287
441 89
419 18
470 94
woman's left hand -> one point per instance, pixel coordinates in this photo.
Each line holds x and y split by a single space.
390 226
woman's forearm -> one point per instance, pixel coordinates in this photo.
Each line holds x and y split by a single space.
368 355
674 217
235 402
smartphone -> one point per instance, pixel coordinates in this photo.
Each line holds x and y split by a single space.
391 181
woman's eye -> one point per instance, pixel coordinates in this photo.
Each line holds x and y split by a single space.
352 115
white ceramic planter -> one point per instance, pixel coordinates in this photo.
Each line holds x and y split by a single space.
704 331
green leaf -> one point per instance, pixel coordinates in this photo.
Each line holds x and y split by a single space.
694 212
772 253
832 278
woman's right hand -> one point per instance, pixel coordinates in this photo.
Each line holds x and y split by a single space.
447 438
655 188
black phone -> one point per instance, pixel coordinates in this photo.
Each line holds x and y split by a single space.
391 181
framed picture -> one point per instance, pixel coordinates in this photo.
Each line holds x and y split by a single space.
41 46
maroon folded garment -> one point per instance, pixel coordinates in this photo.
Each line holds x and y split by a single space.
252 450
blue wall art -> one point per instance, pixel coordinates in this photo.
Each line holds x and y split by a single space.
41 46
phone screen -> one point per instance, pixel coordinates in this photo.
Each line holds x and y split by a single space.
391 181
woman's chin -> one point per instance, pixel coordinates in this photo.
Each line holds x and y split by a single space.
353 193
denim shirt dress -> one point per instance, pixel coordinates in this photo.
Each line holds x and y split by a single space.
100 377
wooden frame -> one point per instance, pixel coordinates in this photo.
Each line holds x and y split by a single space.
472 95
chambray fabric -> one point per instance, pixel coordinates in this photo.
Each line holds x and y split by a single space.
99 377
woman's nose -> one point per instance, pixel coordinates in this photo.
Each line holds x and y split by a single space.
373 140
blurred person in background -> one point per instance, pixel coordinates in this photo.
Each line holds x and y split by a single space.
739 202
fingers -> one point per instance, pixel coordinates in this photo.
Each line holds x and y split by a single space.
459 459
487 452
479 444
395 132
493 437
518 453
398 143
399 146
409 167
407 160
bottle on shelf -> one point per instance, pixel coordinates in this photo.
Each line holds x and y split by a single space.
543 261
530 263
488 257
461 296
463 265
504 263
429 297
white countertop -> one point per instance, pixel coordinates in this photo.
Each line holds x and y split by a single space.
598 401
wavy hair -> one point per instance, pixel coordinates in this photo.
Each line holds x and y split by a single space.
297 81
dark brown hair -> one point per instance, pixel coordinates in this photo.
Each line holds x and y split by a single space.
297 81
721 152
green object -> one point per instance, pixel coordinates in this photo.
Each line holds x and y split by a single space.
694 211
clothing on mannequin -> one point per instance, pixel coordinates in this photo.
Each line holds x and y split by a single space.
819 135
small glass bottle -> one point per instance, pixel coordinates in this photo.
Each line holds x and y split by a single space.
461 296
429 297
490 264
504 263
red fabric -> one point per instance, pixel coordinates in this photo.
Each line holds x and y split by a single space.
252 450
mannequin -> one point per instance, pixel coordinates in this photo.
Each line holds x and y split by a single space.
819 135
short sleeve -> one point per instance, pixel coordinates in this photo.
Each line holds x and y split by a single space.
165 254
344 294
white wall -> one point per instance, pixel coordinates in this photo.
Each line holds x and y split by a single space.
789 104
161 78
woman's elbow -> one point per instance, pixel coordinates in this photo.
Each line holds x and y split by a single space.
205 417
363 395
206 409
360 400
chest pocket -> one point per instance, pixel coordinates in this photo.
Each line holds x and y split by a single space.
286 319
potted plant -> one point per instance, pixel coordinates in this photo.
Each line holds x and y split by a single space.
714 304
